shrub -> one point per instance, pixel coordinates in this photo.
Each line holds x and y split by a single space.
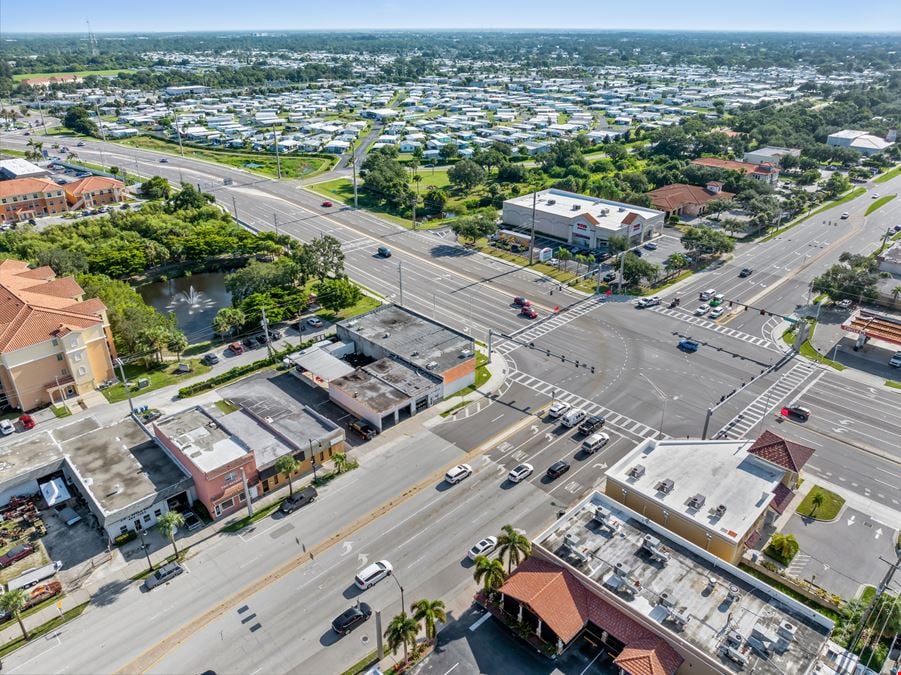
200 509
125 537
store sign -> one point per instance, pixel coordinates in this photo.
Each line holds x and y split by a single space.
581 226
545 254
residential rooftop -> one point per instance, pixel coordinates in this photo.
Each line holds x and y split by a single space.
201 439
691 596
694 479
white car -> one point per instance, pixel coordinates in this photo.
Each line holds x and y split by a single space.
458 473
372 574
594 443
648 302
845 215
559 408
709 293
702 309
7 427
717 313
484 547
519 473
314 322
894 362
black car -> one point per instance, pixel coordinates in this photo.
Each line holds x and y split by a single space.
384 252
275 335
209 359
298 499
745 272
796 412
249 343
351 618
364 429
610 276
261 340
557 469
591 424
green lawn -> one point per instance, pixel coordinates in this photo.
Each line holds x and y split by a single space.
809 352
828 510
293 166
893 384
888 175
41 630
78 73
226 407
882 201
342 190
160 375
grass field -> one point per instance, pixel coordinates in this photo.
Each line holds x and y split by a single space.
828 510
888 175
293 166
342 190
882 201
160 375
79 73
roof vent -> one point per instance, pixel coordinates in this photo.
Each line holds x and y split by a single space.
212 425
386 335
268 419
466 353
621 209
720 511
431 365
551 202
665 486
576 207
697 501
637 471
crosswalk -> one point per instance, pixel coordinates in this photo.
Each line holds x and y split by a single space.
740 425
531 333
712 325
620 422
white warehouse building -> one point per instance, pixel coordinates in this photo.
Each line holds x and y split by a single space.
582 220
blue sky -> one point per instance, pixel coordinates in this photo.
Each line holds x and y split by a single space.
197 15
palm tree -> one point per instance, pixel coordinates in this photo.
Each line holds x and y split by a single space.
817 502
489 572
287 465
429 612
14 602
342 464
514 546
896 291
169 523
564 256
402 631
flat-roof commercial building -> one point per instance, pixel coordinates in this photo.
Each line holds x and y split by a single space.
654 602
863 142
582 220
21 168
766 172
717 494
771 154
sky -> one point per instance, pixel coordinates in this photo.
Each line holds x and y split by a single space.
260 15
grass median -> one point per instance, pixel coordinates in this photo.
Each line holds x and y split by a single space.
827 510
847 197
882 201
888 175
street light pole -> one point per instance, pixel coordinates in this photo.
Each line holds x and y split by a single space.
532 241
278 162
400 283
403 607
131 405
144 546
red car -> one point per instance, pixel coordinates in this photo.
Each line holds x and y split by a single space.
521 302
15 554
27 422
528 312
327 204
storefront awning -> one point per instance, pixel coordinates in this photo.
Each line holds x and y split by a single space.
322 364
54 491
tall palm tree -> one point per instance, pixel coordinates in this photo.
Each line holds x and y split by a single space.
287 465
817 502
429 612
169 523
514 546
14 602
342 464
402 632
489 572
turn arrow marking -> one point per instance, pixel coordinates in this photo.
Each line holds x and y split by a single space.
346 548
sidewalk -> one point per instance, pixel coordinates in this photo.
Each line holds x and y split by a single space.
69 601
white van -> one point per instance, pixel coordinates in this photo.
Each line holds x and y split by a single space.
709 293
573 417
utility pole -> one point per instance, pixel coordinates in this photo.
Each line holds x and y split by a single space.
181 148
246 493
235 207
102 133
145 547
265 324
353 163
41 112
886 582
379 646
275 218
414 212
622 267
400 283
278 163
532 242
125 384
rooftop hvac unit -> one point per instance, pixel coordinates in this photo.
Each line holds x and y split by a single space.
621 209
697 501
571 541
576 207
605 212
720 511
679 618
621 570
431 365
665 486
466 353
551 202
637 471
788 630
601 514
666 599
735 656
650 542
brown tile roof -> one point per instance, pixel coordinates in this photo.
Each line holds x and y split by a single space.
781 498
36 307
566 606
92 184
672 197
630 218
725 164
648 656
789 455
23 186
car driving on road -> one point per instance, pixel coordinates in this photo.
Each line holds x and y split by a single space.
351 618
648 302
314 322
797 412
717 312
745 272
484 547
559 408
594 443
370 575
591 424
702 309
520 473
528 312
458 473
557 469
687 345
894 362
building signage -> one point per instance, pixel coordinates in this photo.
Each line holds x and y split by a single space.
581 226
545 254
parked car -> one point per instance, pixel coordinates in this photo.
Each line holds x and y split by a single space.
557 469
594 443
844 304
591 424
573 417
192 521
249 343
209 359
610 276
717 312
559 408
327 204
458 473
236 348
163 575
27 422
795 411
484 547
651 246
351 618
528 312
521 302
745 272
373 573
894 362
80 144
15 554
275 334
7 427
315 322
688 345
520 473
261 340
702 309
300 498
363 429
384 252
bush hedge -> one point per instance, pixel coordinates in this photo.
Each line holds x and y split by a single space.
125 537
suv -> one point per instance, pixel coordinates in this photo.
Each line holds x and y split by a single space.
895 361
370 575
648 302
557 469
458 473
529 312
236 348
519 473
364 429
559 408
27 422
384 252
209 359
745 272
592 424
610 276
594 443
299 499
706 295
351 618
15 554
521 302
163 575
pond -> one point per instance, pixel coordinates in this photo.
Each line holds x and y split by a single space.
194 300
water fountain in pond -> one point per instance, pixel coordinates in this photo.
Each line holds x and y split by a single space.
191 302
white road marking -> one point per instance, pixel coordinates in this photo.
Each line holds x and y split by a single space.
475 626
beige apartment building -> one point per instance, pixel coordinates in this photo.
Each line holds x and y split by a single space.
54 345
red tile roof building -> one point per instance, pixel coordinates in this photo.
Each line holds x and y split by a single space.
94 191
785 454
688 200
54 344
765 172
24 198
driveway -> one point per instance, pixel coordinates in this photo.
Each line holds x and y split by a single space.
842 555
